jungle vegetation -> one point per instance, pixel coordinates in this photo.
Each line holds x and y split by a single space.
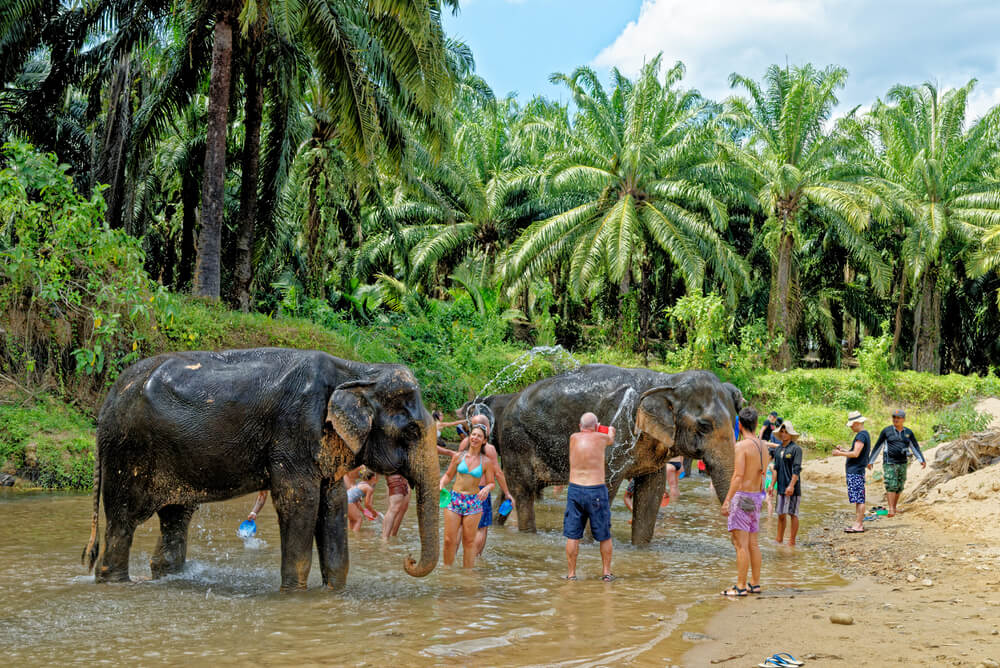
341 161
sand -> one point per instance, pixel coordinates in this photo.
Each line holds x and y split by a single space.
924 586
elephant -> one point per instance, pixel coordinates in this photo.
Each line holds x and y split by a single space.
657 416
185 428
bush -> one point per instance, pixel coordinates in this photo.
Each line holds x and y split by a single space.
959 419
47 442
73 293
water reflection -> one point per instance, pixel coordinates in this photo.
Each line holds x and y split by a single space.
513 609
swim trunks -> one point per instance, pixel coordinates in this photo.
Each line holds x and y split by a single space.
855 488
677 465
631 486
487 518
397 484
583 503
745 520
788 505
895 477
465 504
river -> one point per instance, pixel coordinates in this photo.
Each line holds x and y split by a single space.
512 609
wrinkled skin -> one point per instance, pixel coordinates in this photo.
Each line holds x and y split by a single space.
186 428
690 414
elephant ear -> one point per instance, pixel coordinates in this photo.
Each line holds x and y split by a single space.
736 395
655 414
350 413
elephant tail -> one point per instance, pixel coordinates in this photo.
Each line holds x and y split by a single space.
89 556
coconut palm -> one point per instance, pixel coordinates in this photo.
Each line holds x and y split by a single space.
936 175
790 156
633 178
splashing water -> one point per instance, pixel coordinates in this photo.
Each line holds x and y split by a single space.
560 358
626 435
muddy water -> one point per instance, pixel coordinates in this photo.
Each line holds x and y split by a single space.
513 609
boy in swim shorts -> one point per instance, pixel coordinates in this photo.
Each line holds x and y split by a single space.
742 505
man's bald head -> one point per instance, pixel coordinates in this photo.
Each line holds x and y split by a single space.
482 420
588 422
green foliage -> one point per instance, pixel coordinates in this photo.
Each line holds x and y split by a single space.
48 443
874 361
706 326
959 419
68 284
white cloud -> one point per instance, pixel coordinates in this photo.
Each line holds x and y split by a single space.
881 44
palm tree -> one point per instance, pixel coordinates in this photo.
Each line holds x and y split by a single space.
790 156
632 179
936 176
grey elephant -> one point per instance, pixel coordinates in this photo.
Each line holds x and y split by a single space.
186 428
657 416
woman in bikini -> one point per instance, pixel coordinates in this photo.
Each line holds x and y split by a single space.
470 469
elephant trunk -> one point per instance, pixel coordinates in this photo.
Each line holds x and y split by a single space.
719 464
425 466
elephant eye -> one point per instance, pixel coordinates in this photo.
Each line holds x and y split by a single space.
411 432
704 426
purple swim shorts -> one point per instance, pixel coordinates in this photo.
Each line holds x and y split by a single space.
742 519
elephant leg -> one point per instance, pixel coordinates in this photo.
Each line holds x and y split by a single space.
331 533
171 548
646 503
113 565
297 505
525 500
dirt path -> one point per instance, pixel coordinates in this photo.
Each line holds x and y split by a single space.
924 591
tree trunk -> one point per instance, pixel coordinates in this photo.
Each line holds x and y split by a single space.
207 270
248 188
779 310
850 324
314 231
189 226
118 125
644 308
897 330
927 324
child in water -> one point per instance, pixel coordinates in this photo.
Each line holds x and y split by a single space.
359 499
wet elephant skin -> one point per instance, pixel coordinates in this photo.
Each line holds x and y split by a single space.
186 428
689 413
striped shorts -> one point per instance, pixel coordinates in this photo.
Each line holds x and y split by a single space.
788 505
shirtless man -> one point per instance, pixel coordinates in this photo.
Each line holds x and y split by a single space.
742 504
490 452
587 498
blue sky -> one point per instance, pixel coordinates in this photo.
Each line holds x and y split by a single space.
519 43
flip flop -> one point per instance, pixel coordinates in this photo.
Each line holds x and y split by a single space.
609 577
853 530
787 659
571 578
734 592
770 663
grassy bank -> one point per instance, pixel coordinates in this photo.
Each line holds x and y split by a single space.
455 351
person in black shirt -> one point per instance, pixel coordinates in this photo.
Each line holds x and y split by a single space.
788 465
898 441
770 424
856 460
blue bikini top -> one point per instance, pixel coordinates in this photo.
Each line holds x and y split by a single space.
476 472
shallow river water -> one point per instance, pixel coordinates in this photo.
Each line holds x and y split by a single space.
512 609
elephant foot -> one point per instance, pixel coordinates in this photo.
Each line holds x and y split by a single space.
105 575
287 589
161 569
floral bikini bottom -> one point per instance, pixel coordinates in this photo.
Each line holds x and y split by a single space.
465 504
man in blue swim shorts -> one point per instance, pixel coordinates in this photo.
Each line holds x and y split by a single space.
587 498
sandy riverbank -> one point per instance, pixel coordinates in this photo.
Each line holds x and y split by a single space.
924 586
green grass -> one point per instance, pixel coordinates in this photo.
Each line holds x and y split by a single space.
46 441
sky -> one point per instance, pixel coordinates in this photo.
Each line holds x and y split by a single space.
519 43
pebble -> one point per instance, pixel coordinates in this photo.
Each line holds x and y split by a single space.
927 582
841 618
911 578
989 663
995 632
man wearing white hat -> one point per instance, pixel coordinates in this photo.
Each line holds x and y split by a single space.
857 459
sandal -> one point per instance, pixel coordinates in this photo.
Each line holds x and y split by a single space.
734 592
787 659
571 578
609 578
753 589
